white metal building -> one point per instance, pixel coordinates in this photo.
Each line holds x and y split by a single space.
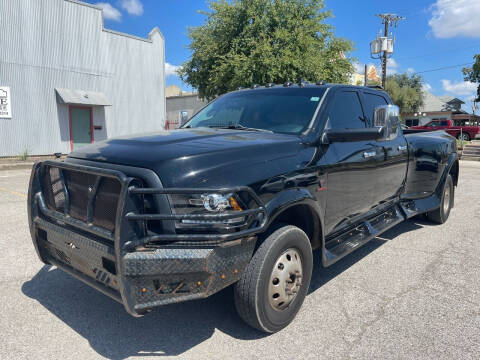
66 81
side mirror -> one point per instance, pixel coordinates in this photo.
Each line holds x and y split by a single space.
387 117
183 117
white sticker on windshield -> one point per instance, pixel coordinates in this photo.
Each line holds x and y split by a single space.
315 98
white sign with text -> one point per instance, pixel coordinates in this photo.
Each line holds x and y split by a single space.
5 103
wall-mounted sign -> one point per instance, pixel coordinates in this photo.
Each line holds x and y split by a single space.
5 103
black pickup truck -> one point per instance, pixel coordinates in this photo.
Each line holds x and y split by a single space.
240 195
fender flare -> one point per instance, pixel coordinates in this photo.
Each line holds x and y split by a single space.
294 197
452 159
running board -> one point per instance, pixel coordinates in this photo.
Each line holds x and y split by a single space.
415 207
341 245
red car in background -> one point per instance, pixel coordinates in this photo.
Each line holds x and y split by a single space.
465 133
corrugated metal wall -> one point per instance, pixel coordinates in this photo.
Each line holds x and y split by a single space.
48 44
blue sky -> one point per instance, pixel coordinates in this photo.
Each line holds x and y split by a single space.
436 33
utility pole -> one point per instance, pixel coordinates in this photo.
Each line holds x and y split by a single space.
365 76
384 44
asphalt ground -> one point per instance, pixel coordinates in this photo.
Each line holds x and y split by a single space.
413 293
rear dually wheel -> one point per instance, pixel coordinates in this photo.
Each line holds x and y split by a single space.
441 214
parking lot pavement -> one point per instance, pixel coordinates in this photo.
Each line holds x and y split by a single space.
412 293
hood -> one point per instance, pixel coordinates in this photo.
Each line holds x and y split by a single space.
200 156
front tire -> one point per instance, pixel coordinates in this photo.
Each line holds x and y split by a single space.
272 288
441 214
464 137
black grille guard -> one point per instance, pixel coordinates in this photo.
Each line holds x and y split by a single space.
128 233
125 237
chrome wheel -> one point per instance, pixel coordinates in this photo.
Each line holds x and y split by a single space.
446 200
464 137
285 280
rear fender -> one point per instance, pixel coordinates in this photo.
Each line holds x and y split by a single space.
452 160
414 207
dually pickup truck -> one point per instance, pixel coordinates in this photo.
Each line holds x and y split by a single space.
465 133
241 194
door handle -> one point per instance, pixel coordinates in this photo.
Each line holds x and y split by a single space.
369 154
402 147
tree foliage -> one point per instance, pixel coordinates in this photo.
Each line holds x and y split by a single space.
245 42
473 74
406 91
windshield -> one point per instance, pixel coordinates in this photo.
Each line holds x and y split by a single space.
283 110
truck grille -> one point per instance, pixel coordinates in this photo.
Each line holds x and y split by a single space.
90 198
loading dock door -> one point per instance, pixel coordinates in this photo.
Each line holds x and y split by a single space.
81 127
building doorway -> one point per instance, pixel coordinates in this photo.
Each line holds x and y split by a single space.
81 126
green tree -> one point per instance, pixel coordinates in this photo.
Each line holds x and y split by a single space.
245 42
405 91
473 74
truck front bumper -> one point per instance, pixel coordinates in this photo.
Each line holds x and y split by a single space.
138 276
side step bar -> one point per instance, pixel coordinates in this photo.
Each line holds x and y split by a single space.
341 245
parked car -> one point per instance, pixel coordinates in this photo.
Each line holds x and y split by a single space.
240 195
465 133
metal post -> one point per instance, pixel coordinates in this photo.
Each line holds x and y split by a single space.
461 139
365 76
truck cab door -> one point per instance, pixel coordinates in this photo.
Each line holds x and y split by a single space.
391 170
350 166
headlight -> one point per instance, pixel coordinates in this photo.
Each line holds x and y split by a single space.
214 203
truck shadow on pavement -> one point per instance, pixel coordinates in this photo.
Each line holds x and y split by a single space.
169 330
323 275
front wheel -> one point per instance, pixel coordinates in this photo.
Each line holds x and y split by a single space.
272 288
441 214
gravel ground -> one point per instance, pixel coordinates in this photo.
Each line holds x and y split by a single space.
412 293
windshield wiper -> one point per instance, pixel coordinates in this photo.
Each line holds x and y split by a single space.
238 127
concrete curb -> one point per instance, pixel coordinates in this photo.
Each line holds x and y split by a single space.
17 165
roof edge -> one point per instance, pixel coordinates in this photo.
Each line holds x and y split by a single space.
154 31
119 33
181 96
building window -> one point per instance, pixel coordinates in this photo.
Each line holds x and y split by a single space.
411 122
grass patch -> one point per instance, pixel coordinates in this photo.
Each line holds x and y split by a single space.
462 144
24 156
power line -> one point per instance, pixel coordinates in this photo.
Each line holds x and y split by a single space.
437 52
425 8
443 68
